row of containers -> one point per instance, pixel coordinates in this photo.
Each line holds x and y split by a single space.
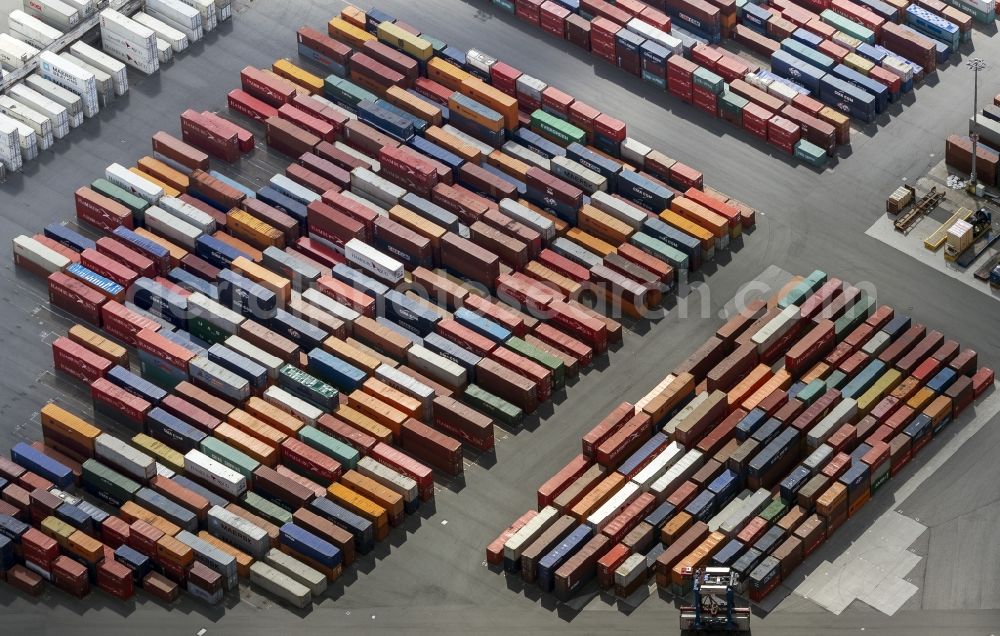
74 85
751 452
286 366
958 148
831 61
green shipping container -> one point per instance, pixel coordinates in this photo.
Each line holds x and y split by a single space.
807 54
774 511
263 508
493 406
731 107
707 79
549 361
803 290
136 204
301 384
330 446
810 153
562 131
108 484
229 456
836 379
346 91
813 391
655 247
853 317
849 27
202 327
436 44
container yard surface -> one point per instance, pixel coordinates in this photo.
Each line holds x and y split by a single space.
942 513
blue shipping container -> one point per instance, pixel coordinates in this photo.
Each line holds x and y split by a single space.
139 563
172 431
358 280
702 506
410 314
26 456
307 544
122 377
70 238
244 296
217 253
457 354
795 480
436 152
689 245
638 459
646 193
877 89
192 283
346 377
432 211
299 331
787 65
93 279
808 38
482 325
750 423
166 508
151 249
604 166
286 204
534 141
549 563
942 380
384 120
241 365
847 98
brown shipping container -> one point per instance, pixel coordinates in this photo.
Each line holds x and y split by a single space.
269 483
288 138
441 451
179 152
464 422
613 422
214 138
503 382
626 440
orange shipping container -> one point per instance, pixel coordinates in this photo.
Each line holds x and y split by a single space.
678 222
780 380
168 190
697 213
258 428
453 144
176 251
391 500
363 506
156 168
508 165
590 242
569 288
749 384
667 400
398 97
489 96
254 231
406 404
379 411
603 225
351 355
243 560
267 412
446 74
248 444
282 287
597 496
698 558
173 551
131 512
420 225
255 254
365 424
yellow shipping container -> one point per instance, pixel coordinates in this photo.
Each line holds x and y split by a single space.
281 420
569 287
597 496
96 343
160 451
496 99
256 427
163 172
360 421
282 287
418 224
702 216
417 107
58 530
367 487
590 242
780 380
508 165
249 228
361 505
453 144
413 45
351 355
676 221
285 68
342 31
86 547
168 190
446 74
882 387
921 399
858 63
603 225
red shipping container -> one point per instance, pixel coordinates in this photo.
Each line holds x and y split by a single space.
78 361
108 267
503 77
343 293
248 105
266 86
755 120
626 440
657 18
408 169
209 135
75 297
706 100
552 18
389 456
123 323
126 256
494 551
528 10
564 343
322 129
101 212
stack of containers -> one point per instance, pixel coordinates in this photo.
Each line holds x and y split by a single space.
129 41
178 15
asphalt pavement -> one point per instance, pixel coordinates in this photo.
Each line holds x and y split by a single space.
430 576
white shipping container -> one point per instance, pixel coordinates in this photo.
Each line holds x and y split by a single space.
376 189
480 61
716 521
171 228
335 107
377 209
255 353
14 53
106 63
38 122
86 8
746 511
618 209
614 505
39 255
373 261
178 40
206 8
163 471
102 81
129 460
530 531
70 76
357 154
126 28
469 139
527 155
634 152
192 35
31 30
210 472
289 188
391 479
677 474
528 217
782 91
176 14
408 385
201 306
630 570
238 532
267 578
775 328
312 579
530 87
678 417
658 465
65 98
55 112
164 52
579 175
53 12
145 59
29 140
224 9
292 405
650 32
842 412
10 144
123 178
436 367
338 310
188 213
